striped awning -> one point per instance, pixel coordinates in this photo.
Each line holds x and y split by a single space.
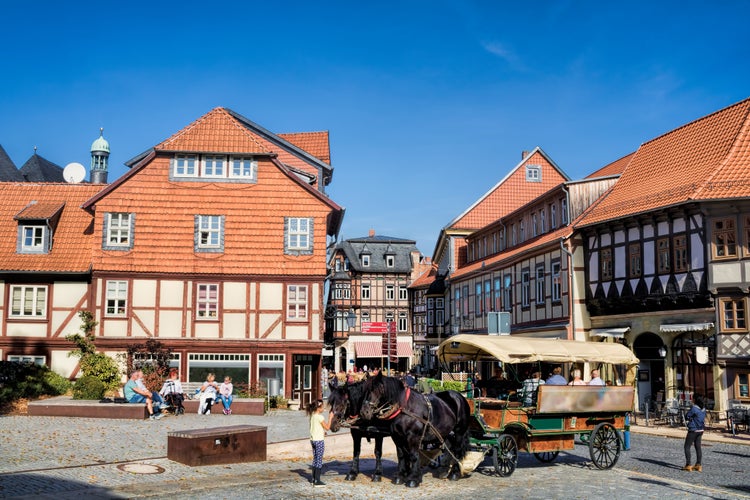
375 349
616 333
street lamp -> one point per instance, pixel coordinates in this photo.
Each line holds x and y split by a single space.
662 352
351 318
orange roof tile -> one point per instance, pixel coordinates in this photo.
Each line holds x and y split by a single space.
215 132
425 279
73 239
706 159
315 143
615 168
511 192
39 211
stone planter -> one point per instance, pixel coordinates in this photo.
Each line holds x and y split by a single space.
293 404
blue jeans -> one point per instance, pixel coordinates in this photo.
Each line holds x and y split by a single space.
225 400
155 397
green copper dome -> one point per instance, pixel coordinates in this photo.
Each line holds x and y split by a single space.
101 143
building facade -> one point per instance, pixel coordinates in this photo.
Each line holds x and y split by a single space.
214 243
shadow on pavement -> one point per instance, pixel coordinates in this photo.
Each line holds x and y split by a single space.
41 486
658 462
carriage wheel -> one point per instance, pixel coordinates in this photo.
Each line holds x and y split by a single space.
604 446
505 455
547 456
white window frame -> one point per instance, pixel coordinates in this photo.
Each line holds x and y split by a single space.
539 285
390 260
403 322
185 166
403 293
390 292
243 167
214 166
28 294
20 358
207 301
37 234
553 215
366 260
274 362
525 287
564 211
116 299
297 299
533 173
119 225
299 236
365 292
210 231
556 282
543 219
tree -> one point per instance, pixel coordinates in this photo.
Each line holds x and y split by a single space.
93 363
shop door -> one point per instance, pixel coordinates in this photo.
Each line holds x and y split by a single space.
303 384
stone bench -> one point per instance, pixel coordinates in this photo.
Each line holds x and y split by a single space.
240 406
65 406
218 445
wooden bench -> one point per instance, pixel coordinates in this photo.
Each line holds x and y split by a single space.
218 445
240 406
65 406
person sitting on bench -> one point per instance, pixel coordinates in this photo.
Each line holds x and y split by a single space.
135 391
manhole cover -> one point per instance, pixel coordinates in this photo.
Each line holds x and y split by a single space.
141 468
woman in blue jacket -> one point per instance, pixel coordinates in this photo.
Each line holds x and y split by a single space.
696 423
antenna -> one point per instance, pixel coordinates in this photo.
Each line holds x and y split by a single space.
74 173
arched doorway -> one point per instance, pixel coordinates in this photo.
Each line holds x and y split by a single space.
650 350
693 357
342 359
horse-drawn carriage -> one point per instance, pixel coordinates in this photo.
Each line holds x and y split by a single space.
559 413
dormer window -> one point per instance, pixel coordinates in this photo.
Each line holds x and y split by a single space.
533 173
212 168
366 260
390 260
36 225
33 239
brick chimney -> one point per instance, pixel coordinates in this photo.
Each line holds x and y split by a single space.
525 154
372 233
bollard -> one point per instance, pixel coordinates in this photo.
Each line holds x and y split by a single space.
626 433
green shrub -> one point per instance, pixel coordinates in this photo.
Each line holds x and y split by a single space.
453 385
104 368
88 387
56 384
29 380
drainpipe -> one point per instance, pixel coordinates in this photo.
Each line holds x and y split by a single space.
570 291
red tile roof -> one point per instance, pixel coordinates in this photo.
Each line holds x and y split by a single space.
511 192
617 167
315 143
73 238
703 160
425 279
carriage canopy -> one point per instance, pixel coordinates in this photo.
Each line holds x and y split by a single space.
511 349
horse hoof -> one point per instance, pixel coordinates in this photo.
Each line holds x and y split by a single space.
376 479
454 477
350 477
412 484
398 480
443 474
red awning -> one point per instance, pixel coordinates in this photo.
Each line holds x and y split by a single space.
375 349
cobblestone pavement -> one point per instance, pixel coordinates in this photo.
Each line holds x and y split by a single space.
59 457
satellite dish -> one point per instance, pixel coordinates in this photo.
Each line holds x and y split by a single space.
74 173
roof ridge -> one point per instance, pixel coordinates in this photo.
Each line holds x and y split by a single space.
705 117
743 132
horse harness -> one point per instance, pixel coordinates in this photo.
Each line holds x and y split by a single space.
389 413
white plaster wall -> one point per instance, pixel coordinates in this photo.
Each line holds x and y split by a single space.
234 296
234 326
266 320
115 328
27 329
67 295
207 330
61 363
170 323
170 293
271 295
144 293
296 332
726 272
678 225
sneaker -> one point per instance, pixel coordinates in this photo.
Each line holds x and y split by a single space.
156 416
225 412
698 468
688 468
229 411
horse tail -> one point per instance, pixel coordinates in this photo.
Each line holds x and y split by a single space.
463 420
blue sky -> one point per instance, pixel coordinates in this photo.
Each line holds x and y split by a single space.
428 103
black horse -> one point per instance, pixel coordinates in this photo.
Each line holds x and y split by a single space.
419 422
345 402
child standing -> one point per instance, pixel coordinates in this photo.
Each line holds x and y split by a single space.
696 423
225 395
318 428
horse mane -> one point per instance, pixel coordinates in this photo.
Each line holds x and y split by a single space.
393 388
355 392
